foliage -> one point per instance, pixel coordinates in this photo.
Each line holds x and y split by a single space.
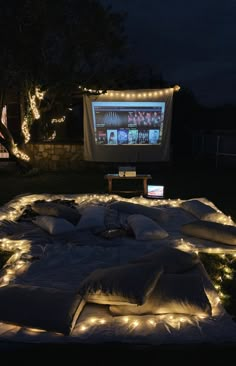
56 46
4 256
221 270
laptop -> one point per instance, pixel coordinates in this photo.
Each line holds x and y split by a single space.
155 191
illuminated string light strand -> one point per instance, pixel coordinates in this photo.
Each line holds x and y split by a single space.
133 94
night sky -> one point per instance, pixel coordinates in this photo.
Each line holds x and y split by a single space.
191 43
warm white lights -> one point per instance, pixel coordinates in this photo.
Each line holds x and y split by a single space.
21 260
25 130
128 94
19 154
58 120
33 106
138 94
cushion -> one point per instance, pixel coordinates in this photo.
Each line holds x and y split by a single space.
155 213
213 231
145 228
44 308
126 284
54 225
173 293
92 218
46 208
171 259
201 210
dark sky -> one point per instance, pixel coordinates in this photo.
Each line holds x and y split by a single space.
191 42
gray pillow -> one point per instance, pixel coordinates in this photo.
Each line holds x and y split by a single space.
54 225
171 259
154 213
44 308
201 210
46 208
145 228
173 293
126 284
213 231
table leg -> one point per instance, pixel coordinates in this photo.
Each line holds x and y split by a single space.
109 185
144 186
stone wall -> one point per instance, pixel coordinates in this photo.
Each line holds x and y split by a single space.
53 157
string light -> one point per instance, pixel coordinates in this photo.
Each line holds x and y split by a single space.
33 106
128 94
20 261
25 129
58 120
19 154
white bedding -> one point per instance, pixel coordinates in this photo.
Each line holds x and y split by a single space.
63 261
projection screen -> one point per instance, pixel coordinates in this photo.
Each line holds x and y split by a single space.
128 126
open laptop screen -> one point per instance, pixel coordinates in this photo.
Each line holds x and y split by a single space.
155 191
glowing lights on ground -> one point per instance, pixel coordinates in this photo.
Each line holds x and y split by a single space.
132 323
20 260
15 263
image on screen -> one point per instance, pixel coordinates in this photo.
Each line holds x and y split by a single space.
128 123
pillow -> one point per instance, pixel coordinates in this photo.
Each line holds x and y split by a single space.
173 293
213 231
171 259
54 225
145 228
127 284
200 210
45 208
44 308
92 218
156 214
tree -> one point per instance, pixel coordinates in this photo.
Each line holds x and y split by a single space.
49 48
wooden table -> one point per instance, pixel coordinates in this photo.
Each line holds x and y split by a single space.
143 177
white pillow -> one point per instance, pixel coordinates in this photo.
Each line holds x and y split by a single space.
92 218
201 210
122 285
213 231
173 293
145 228
43 308
172 260
54 225
155 213
56 209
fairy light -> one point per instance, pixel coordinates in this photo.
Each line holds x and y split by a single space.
19 261
92 91
33 106
39 94
138 94
58 120
19 154
53 136
25 130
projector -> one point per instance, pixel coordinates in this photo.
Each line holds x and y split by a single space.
127 171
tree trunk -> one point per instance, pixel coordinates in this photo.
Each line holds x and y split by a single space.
17 155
